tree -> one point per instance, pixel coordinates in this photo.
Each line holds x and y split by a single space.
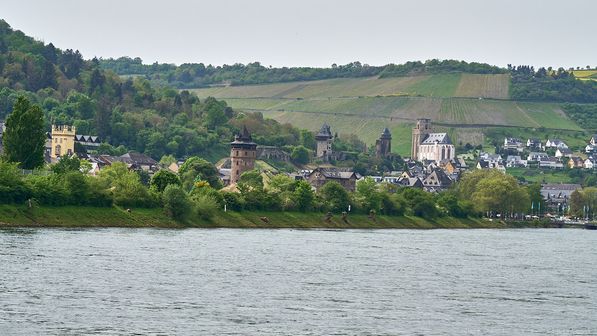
67 164
303 195
24 138
300 155
335 196
500 194
196 167
164 178
176 202
367 195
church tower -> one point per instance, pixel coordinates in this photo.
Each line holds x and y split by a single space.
420 131
242 155
383 146
324 142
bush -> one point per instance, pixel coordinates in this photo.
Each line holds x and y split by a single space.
162 179
233 201
12 187
205 206
176 202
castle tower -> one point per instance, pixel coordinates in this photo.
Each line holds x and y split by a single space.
420 131
324 142
383 146
63 141
242 155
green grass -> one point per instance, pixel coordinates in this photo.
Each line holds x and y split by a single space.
80 217
540 175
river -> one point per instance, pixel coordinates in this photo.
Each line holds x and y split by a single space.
298 282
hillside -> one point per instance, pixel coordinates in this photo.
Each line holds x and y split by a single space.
462 104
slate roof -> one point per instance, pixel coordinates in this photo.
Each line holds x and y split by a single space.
138 158
386 134
441 138
325 132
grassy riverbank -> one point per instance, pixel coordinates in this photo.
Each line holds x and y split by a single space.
73 216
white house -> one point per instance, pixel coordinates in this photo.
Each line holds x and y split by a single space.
589 164
534 143
563 152
537 156
551 162
515 161
555 143
513 143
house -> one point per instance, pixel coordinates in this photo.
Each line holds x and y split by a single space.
593 140
589 163
557 195
575 162
590 148
513 144
483 164
555 143
320 176
141 161
551 162
411 182
533 143
436 181
515 161
563 152
537 156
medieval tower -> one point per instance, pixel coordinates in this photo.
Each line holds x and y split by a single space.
63 141
242 155
324 142
421 130
383 145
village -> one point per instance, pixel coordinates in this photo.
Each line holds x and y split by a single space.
433 165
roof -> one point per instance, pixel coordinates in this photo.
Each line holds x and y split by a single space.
325 131
437 178
243 138
560 186
565 150
483 164
386 134
335 173
441 138
138 158
87 138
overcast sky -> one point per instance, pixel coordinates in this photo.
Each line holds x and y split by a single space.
316 32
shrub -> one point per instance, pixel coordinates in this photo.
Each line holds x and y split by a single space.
205 206
176 202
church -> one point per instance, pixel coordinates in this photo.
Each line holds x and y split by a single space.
427 145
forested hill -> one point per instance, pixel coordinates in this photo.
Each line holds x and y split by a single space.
195 75
130 114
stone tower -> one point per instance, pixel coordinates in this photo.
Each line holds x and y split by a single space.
324 142
63 141
422 128
242 155
383 146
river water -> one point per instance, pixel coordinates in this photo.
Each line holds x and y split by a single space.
298 282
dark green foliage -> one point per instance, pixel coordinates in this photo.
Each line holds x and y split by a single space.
163 178
335 197
435 66
67 164
303 196
233 201
176 202
24 138
300 155
582 114
12 187
557 86
196 168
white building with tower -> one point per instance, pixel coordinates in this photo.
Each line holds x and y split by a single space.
427 145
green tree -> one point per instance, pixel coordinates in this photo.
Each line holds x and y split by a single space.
176 202
24 138
12 187
303 196
335 196
164 178
300 155
196 167
67 164
367 195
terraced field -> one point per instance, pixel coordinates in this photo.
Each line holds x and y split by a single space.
461 104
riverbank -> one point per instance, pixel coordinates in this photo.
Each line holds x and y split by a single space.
80 217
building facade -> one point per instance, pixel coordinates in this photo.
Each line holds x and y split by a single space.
62 141
430 146
383 145
243 152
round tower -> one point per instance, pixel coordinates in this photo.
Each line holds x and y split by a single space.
383 146
324 142
243 152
